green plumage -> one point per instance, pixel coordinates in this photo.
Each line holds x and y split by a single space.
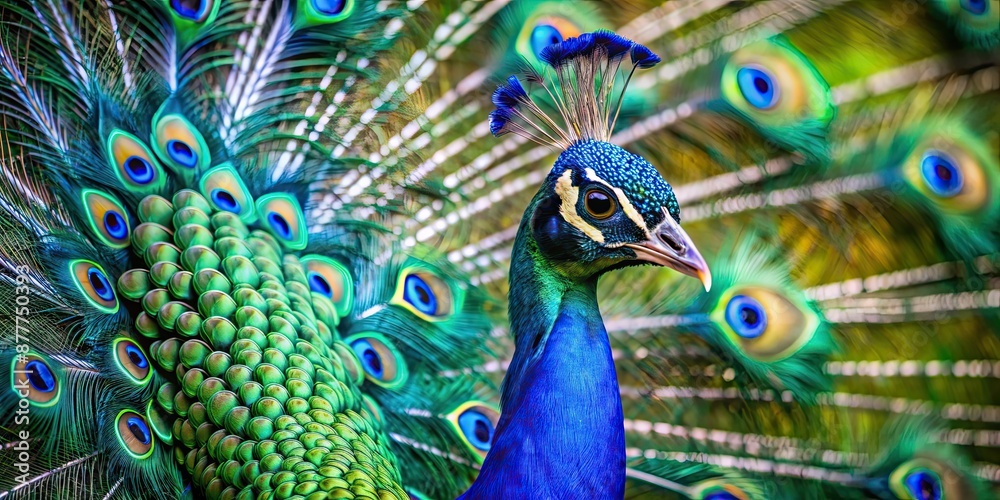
260 249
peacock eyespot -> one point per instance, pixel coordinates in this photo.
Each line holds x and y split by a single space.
746 316
941 174
542 31
544 35
284 218
478 429
370 359
106 217
132 360
764 323
758 86
599 204
975 7
181 153
133 163
419 293
40 376
134 434
225 201
94 284
115 225
721 495
33 379
139 170
475 423
280 225
225 190
382 364
320 285
194 10
328 11
923 484
330 7
330 279
425 294
100 284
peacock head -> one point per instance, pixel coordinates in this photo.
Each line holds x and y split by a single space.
601 207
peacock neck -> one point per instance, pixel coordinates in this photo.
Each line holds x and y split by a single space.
560 433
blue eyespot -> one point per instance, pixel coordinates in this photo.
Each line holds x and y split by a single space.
136 356
542 36
746 316
100 284
758 87
370 358
225 201
320 285
330 7
139 429
923 485
40 376
190 9
977 7
721 495
420 295
477 429
181 153
139 170
115 224
941 174
280 225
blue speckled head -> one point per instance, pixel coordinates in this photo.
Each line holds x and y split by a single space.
639 180
602 207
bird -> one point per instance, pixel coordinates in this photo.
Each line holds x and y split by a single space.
265 249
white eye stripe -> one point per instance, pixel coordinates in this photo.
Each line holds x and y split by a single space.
623 200
569 194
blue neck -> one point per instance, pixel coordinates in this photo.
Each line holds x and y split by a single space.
560 433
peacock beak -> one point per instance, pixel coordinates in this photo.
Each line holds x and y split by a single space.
670 246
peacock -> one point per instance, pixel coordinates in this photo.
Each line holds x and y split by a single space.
391 249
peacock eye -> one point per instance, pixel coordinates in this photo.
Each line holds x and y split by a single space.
976 7
420 295
330 279
226 191
746 316
43 383
539 32
134 434
194 10
475 422
426 294
284 219
477 428
952 169
941 174
599 204
758 86
177 141
923 484
383 365
764 323
107 218
717 489
94 284
133 162
331 7
544 35
132 360
721 495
